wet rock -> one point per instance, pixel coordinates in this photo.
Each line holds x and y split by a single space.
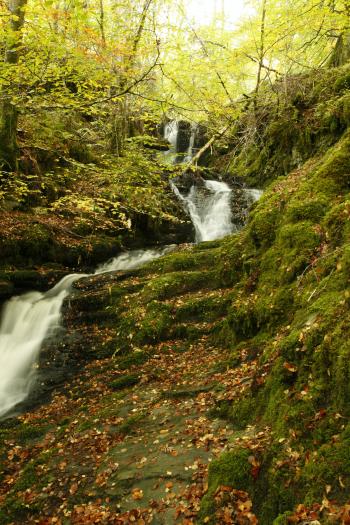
183 136
6 289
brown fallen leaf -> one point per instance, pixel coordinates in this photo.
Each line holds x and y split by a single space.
137 494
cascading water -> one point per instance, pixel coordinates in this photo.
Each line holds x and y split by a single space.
253 194
26 321
209 208
133 259
189 155
210 203
171 130
29 319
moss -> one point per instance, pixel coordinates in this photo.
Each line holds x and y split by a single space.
128 425
136 358
242 412
264 222
343 82
336 166
199 257
283 519
336 222
30 433
175 283
124 382
311 210
186 393
203 309
231 469
329 463
154 326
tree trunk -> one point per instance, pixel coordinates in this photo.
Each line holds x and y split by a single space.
120 119
261 55
9 113
341 53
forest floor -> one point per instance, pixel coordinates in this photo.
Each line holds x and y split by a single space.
135 455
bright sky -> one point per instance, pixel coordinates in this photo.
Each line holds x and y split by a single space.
203 10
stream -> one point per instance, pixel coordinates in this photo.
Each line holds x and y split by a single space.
29 319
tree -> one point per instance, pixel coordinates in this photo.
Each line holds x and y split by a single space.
9 113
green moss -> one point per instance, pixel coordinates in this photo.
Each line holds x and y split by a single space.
175 283
199 257
231 469
336 223
343 82
336 166
242 412
30 433
124 382
283 519
186 393
154 326
128 425
203 309
264 222
331 461
136 358
311 210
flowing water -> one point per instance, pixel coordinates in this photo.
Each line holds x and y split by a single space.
253 194
171 130
209 208
26 321
29 319
133 259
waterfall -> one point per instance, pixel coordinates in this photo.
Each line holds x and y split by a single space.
253 194
209 208
171 130
170 133
133 259
29 319
26 321
189 155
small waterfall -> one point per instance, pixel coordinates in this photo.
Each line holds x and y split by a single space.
190 151
209 208
171 133
26 321
253 194
29 319
133 259
171 130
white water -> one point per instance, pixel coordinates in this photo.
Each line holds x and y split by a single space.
27 320
133 259
253 194
209 208
171 130
189 155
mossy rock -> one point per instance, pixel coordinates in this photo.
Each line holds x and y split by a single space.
311 210
336 166
136 358
125 381
232 469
